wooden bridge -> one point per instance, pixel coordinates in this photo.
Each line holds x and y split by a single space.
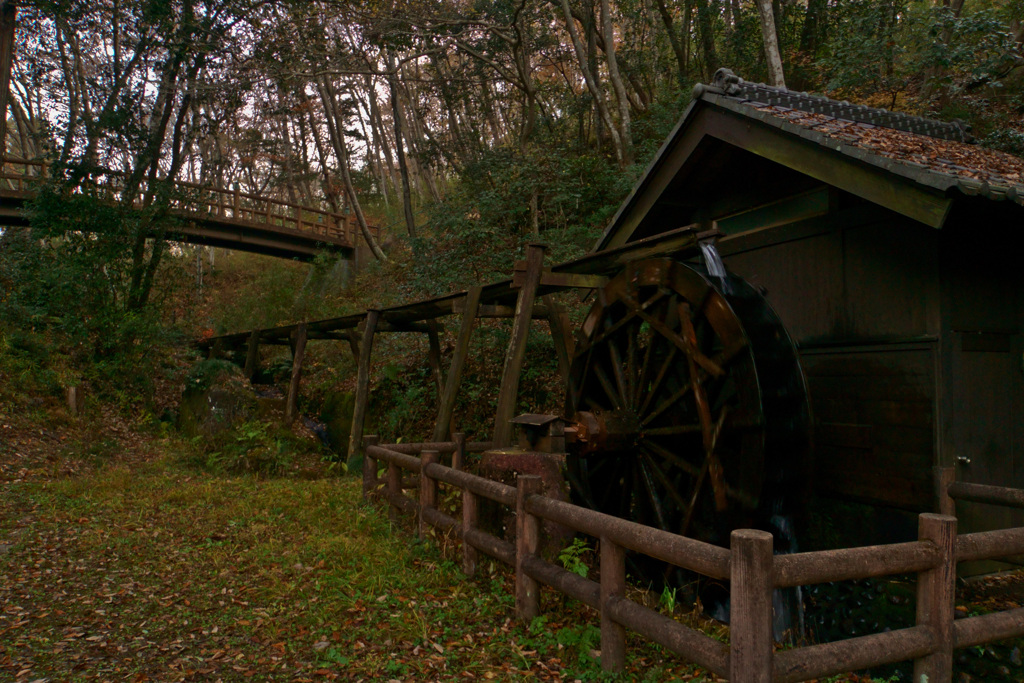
215 217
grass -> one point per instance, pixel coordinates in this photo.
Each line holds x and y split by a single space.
164 572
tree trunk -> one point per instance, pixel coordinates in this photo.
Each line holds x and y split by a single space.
588 76
771 44
707 38
336 129
396 114
673 39
625 130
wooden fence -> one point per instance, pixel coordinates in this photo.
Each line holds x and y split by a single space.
197 202
749 565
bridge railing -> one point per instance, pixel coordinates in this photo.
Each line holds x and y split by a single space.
17 177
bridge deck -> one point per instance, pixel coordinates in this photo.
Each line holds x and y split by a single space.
215 217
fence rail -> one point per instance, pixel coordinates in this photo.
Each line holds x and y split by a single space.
749 564
198 202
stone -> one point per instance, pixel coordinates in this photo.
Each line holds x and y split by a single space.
504 466
336 414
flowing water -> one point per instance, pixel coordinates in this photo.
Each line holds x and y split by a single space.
713 262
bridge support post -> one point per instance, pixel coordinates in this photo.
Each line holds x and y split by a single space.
252 357
446 406
355 439
516 353
292 402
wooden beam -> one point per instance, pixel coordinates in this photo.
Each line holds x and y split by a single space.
560 280
355 438
558 323
252 356
298 351
509 391
385 326
353 344
498 311
434 357
446 406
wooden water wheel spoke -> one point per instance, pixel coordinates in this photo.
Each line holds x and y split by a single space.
615 327
666 365
673 459
668 486
645 370
685 345
665 405
619 374
675 429
606 384
652 494
631 368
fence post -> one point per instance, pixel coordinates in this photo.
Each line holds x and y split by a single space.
394 489
613 585
428 490
369 466
936 597
527 536
459 456
750 611
470 513
944 476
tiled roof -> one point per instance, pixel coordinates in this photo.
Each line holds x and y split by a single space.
933 153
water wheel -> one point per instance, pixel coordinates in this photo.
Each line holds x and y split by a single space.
689 402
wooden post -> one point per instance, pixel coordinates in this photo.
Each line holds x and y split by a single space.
434 357
750 611
394 485
470 515
613 585
446 406
74 400
355 438
428 490
527 538
252 357
353 344
369 466
292 402
944 476
459 456
509 391
216 349
936 597
558 323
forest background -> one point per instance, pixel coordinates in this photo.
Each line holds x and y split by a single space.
461 129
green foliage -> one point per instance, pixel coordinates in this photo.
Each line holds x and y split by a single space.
204 373
573 557
668 599
70 280
1006 140
251 447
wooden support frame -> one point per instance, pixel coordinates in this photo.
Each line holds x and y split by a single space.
509 391
299 352
252 356
355 439
446 406
434 356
